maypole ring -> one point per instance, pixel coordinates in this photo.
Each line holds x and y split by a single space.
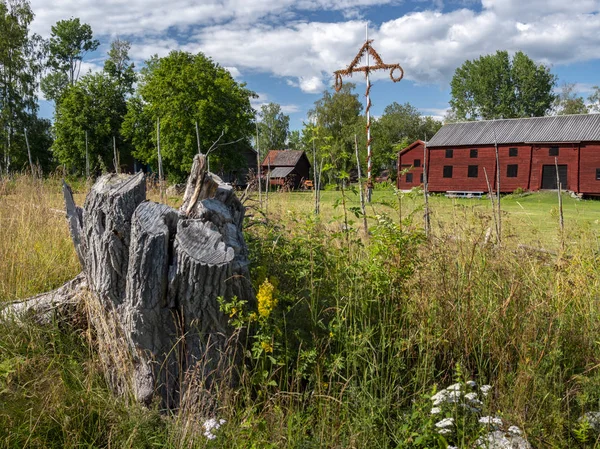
338 82
396 79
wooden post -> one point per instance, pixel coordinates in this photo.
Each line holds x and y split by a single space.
116 156
498 190
29 154
362 196
425 190
315 169
198 137
258 171
491 195
87 158
561 219
160 167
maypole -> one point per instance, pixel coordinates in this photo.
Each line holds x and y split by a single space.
367 69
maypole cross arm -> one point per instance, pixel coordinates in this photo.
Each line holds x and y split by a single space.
379 65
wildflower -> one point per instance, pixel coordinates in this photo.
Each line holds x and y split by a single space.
471 384
212 424
514 430
444 427
454 387
233 312
490 421
266 302
485 389
267 347
435 410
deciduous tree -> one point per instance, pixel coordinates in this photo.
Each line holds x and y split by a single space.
273 128
496 86
20 55
69 42
568 102
183 89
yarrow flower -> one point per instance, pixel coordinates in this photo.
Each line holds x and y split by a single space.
212 424
266 302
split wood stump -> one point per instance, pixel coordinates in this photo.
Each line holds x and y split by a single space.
157 273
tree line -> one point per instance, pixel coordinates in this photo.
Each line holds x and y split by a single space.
191 104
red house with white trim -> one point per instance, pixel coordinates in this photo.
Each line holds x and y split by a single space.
460 155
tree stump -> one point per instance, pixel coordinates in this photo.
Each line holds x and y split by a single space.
157 273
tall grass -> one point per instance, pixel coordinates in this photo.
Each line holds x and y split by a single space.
363 331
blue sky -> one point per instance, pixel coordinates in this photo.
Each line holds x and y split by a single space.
286 50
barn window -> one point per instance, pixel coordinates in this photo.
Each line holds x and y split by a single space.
553 151
513 152
417 163
512 170
421 178
409 177
473 171
449 154
448 171
598 174
473 153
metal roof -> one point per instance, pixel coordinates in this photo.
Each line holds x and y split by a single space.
288 158
280 172
560 128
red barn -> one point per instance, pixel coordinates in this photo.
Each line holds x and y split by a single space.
459 155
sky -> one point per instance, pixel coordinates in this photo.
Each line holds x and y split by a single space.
287 50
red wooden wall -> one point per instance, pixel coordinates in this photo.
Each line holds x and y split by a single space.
582 161
406 159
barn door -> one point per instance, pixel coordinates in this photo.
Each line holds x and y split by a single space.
549 177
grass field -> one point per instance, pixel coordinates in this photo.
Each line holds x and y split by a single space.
531 218
361 332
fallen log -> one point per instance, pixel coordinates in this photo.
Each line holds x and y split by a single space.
157 274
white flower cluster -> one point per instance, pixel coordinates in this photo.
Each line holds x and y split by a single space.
211 425
456 394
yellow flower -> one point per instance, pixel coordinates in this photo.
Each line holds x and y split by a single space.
233 312
266 302
267 347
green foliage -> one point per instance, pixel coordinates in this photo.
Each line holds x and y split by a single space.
69 42
494 86
399 126
20 55
594 99
94 104
183 89
568 102
273 128
118 67
337 115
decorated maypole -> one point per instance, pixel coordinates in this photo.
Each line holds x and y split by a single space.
368 50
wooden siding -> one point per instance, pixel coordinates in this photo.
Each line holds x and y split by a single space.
581 159
460 161
406 158
568 154
589 161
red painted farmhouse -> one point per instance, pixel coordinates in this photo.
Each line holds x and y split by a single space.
459 155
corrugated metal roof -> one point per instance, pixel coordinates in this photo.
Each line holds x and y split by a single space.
285 158
560 128
280 172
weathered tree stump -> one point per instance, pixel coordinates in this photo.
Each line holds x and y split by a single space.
158 274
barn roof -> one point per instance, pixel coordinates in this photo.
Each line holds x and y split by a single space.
283 158
560 128
280 172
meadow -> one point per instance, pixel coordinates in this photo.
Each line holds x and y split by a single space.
355 335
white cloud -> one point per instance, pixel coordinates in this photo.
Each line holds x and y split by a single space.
290 108
235 73
262 36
